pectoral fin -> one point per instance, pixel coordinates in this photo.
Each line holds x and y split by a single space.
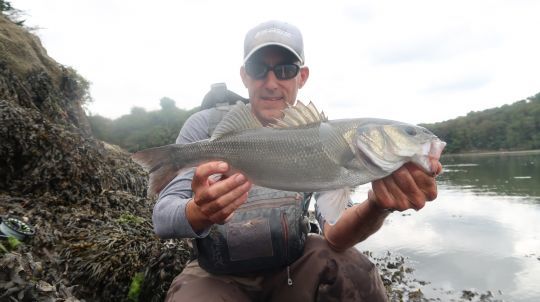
331 204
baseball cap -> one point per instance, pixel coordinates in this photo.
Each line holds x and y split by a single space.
276 33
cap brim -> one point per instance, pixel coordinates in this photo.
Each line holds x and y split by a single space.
255 49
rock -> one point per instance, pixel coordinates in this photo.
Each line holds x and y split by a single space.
86 199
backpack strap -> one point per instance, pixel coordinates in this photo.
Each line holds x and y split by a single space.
219 100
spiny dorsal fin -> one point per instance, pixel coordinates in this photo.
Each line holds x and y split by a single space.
299 115
237 119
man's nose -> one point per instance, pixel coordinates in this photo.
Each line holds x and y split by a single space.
271 81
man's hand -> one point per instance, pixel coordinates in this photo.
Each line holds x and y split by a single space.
409 187
215 200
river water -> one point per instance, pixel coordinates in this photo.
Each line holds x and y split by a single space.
481 234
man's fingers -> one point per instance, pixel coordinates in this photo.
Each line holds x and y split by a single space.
410 192
205 170
385 198
226 213
425 184
220 189
215 204
219 210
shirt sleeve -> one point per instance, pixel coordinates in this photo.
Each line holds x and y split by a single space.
169 215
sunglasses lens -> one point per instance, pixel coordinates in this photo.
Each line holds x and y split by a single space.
282 71
286 71
256 71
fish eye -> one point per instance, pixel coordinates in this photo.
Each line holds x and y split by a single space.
410 131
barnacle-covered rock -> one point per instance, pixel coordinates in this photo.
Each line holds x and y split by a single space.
39 156
85 199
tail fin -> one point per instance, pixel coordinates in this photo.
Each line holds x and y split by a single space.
160 163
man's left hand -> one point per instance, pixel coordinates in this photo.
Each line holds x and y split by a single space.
409 187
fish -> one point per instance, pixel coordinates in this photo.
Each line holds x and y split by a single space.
302 151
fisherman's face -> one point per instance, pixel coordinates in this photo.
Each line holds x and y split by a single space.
269 95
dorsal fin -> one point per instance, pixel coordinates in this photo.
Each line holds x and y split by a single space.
237 119
299 115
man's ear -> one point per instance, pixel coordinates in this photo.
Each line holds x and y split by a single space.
304 75
243 75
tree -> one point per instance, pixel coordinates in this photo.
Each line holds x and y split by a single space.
138 111
167 103
9 11
5 6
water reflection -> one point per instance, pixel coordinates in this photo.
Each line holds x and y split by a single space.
508 174
481 233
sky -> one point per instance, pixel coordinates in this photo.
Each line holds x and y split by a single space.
416 61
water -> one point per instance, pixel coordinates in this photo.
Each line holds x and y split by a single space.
482 233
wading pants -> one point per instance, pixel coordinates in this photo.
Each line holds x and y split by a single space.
320 274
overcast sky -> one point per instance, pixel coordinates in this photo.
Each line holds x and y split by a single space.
414 61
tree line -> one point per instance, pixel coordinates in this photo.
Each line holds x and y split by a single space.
142 129
510 127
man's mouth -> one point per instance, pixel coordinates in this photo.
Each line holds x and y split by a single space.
274 98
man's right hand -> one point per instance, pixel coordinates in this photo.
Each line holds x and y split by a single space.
215 200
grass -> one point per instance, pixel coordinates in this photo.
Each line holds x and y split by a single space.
129 218
12 244
135 287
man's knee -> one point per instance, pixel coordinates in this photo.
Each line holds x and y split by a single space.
194 288
348 275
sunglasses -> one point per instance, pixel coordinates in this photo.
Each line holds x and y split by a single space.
259 71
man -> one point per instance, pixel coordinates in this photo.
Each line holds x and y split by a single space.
241 254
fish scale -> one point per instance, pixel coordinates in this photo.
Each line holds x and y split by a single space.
267 158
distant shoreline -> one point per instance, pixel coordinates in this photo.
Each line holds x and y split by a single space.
481 153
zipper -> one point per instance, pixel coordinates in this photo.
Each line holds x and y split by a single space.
286 244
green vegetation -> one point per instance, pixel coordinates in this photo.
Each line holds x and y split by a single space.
130 218
510 127
141 129
5 6
12 244
135 287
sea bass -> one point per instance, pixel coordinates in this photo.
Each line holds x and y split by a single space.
303 151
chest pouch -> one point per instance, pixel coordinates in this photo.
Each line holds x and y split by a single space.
268 231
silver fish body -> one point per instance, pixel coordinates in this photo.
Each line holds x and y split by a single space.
304 152
304 159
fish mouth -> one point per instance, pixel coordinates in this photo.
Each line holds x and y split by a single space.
431 153
436 148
